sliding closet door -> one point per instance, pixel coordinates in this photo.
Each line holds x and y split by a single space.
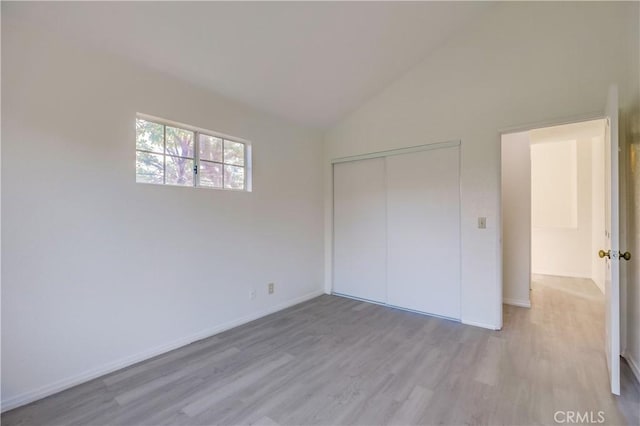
359 221
423 228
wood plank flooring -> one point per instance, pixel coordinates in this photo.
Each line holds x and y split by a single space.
333 361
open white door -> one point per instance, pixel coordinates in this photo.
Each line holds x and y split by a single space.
611 252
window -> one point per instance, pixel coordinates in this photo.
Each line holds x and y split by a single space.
173 154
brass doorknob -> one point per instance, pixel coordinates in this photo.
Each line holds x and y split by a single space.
603 253
626 255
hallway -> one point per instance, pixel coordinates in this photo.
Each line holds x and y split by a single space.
563 334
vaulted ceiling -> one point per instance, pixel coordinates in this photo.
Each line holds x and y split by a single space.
310 62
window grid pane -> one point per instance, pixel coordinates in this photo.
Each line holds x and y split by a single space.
179 142
149 136
149 167
179 171
167 155
210 174
233 153
210 148
233 177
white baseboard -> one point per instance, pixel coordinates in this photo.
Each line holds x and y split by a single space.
480 324
556 274
60 385
523 303
635 367
400 308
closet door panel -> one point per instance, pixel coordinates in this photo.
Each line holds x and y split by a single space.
359 223
423 228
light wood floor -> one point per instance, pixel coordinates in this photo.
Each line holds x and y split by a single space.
339 361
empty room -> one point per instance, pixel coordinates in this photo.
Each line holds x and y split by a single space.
320 213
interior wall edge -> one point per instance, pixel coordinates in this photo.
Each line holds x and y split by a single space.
523 303
633 364
481 324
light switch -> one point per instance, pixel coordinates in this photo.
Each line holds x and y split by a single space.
482 223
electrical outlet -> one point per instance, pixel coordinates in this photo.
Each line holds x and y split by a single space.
272 288
252 294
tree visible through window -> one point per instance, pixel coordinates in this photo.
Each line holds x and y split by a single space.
171 155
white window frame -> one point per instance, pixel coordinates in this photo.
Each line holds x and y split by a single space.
197 131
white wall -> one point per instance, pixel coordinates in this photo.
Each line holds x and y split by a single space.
486 78
516 218
554 184
631 126
562 249
99 271
631 347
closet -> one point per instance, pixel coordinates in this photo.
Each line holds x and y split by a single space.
396 234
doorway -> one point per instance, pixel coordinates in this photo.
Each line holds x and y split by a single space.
560 200
553 207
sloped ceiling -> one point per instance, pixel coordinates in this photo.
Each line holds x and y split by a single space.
309 62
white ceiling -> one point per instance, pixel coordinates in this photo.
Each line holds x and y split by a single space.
310 62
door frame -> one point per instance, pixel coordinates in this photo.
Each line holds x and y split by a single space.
623 231
398 151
